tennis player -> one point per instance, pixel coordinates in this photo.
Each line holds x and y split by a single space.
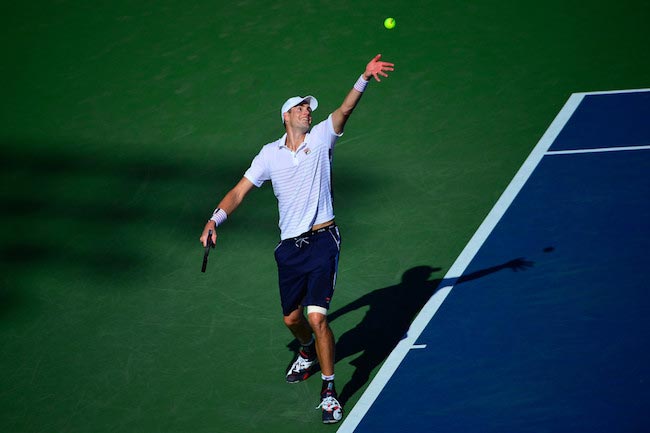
298 165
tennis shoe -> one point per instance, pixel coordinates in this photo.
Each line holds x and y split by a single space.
331 408
301 369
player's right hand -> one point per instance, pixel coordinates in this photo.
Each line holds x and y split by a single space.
210 225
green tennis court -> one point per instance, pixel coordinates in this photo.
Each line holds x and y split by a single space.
123 124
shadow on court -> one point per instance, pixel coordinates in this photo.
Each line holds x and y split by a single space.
391 311
96 216
69 208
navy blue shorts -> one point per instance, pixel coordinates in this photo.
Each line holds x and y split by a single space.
307 268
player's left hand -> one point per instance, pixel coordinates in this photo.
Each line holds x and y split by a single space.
376 68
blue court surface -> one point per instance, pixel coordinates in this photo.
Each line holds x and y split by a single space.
543 322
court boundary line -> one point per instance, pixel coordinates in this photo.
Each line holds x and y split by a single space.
598 150
612 92
393 361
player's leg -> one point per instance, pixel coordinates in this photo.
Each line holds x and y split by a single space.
293 285
320 291
332 411
324 341
306 360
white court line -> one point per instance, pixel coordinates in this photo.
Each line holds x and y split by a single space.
398 354
597 150
611 92
419 346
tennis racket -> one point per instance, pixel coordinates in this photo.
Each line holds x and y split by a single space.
208 244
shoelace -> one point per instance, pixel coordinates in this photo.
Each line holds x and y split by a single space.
301 241
300 364
329 403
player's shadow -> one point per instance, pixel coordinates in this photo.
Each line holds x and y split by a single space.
390 313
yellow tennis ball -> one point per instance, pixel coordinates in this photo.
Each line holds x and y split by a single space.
389 23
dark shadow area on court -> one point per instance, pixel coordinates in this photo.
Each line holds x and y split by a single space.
69 209
390 313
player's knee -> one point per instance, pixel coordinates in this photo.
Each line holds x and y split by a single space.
318 322
293 320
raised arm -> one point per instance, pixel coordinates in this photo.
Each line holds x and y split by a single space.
373 69
228 204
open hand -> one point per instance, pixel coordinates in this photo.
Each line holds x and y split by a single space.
376 68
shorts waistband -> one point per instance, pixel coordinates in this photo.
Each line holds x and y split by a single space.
313 232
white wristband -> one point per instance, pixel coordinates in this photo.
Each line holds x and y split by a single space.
361 84
219 216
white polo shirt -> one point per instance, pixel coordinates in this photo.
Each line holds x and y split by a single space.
302 180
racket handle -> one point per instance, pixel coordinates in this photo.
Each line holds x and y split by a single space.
208 245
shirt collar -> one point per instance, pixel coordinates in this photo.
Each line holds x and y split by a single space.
281 142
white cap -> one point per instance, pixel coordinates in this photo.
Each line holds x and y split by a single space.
297 100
